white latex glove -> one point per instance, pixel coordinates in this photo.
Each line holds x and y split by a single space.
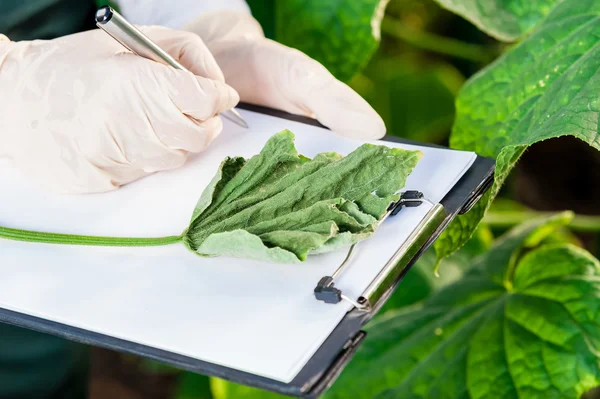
81 114
267 73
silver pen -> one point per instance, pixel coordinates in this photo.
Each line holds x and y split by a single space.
134 40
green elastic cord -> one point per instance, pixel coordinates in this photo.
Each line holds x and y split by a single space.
71 239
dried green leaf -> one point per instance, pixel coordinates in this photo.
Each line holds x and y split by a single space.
281 206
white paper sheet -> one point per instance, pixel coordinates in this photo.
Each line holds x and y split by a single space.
256 317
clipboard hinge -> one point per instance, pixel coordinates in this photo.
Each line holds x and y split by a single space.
326 291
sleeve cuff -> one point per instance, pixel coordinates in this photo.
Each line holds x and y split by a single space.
177 13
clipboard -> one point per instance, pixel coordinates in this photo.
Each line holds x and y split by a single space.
327 362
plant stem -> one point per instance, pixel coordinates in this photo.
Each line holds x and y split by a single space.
436 43
506 219
71 239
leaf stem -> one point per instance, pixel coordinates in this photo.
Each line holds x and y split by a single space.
72 239
506 219
436 43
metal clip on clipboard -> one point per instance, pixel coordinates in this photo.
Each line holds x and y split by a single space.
327 292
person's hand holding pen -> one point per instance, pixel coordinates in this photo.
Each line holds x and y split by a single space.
82 114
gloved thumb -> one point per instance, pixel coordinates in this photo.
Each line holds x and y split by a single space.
284 78
314 91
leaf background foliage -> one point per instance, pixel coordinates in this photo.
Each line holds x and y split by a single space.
317 31
506 20
545 87
524 321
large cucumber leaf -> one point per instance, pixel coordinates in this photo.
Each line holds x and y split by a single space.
523 322
222 389
505 20
340 34
547 86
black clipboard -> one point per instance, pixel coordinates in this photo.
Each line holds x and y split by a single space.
334 354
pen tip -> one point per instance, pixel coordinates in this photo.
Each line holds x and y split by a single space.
236 118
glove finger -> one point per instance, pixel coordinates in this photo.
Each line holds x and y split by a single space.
188 49
171 146
200 98
341 109
180 108
187 134
210 129
287 79
313 88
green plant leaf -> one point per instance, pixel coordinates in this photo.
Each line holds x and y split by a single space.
415 101
505 213
545 87
154 367
222 389
341 34
523 322
280 206
421 282
461 228
193 386
505 20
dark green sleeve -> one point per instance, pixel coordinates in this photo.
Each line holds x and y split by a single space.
45 19
35 365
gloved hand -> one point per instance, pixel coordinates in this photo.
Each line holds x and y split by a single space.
267 73
81 114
